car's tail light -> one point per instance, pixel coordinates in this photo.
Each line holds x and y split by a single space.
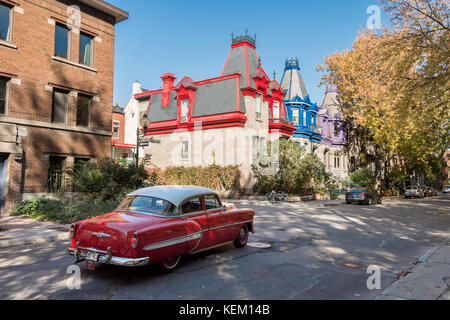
72 236
134 241
363 194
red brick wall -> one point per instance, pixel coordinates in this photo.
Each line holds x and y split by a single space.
32 64
121 118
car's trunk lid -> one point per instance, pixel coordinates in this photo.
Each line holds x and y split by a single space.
114 230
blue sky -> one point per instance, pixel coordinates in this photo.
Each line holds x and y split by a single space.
192 38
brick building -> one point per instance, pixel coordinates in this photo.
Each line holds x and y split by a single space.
56 91
120 150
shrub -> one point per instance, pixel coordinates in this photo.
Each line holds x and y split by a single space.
107 180
64 210
213 177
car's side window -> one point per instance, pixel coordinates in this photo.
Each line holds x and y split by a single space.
212 202
191 206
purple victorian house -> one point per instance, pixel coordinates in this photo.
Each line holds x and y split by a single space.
334 134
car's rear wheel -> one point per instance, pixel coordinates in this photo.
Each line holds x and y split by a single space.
368 201
170 265
242 238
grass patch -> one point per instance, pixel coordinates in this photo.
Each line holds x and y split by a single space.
64 210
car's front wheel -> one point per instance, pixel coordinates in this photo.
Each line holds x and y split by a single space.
170 265
242 237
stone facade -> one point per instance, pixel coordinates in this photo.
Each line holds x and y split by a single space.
34 74
225 120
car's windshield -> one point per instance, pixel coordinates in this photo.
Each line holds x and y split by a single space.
414 188
147 205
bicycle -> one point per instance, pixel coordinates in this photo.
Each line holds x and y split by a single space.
277 196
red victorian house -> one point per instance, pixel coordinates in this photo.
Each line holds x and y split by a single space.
225 120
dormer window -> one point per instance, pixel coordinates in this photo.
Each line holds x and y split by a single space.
276 110
258 106
184 117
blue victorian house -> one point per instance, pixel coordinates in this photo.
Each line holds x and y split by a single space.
299 108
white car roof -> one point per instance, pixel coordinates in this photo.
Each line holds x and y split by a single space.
173 194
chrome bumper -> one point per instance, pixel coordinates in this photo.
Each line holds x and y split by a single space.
105 257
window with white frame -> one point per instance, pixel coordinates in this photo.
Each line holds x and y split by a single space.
258 106
185 150
276 110
304 117
337 160
295 115
184 117
5 22
116 129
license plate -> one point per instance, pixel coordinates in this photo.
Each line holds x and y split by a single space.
90 265
92 256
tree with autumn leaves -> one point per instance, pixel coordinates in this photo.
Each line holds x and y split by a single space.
394 87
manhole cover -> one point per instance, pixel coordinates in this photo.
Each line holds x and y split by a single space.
259 245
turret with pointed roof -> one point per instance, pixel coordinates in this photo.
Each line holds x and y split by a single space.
299 108
292 81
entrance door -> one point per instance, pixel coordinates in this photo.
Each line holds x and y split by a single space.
3 165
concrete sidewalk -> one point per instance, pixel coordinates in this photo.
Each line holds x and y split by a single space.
429 279
22 230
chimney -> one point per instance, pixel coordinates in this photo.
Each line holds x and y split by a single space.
168 81
137 87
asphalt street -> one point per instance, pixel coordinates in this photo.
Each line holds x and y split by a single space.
317 253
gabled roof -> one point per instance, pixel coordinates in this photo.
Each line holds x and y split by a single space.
213 96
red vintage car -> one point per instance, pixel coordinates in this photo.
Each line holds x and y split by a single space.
159 225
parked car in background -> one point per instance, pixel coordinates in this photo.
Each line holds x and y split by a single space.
414 192
159 225
363 195
446 189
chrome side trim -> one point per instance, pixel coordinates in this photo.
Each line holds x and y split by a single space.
193 236
174 241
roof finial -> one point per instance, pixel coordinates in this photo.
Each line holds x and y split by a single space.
259 63
274 75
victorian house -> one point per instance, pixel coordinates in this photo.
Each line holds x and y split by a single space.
226 120
320 130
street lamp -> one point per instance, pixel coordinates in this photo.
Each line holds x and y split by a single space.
145 123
